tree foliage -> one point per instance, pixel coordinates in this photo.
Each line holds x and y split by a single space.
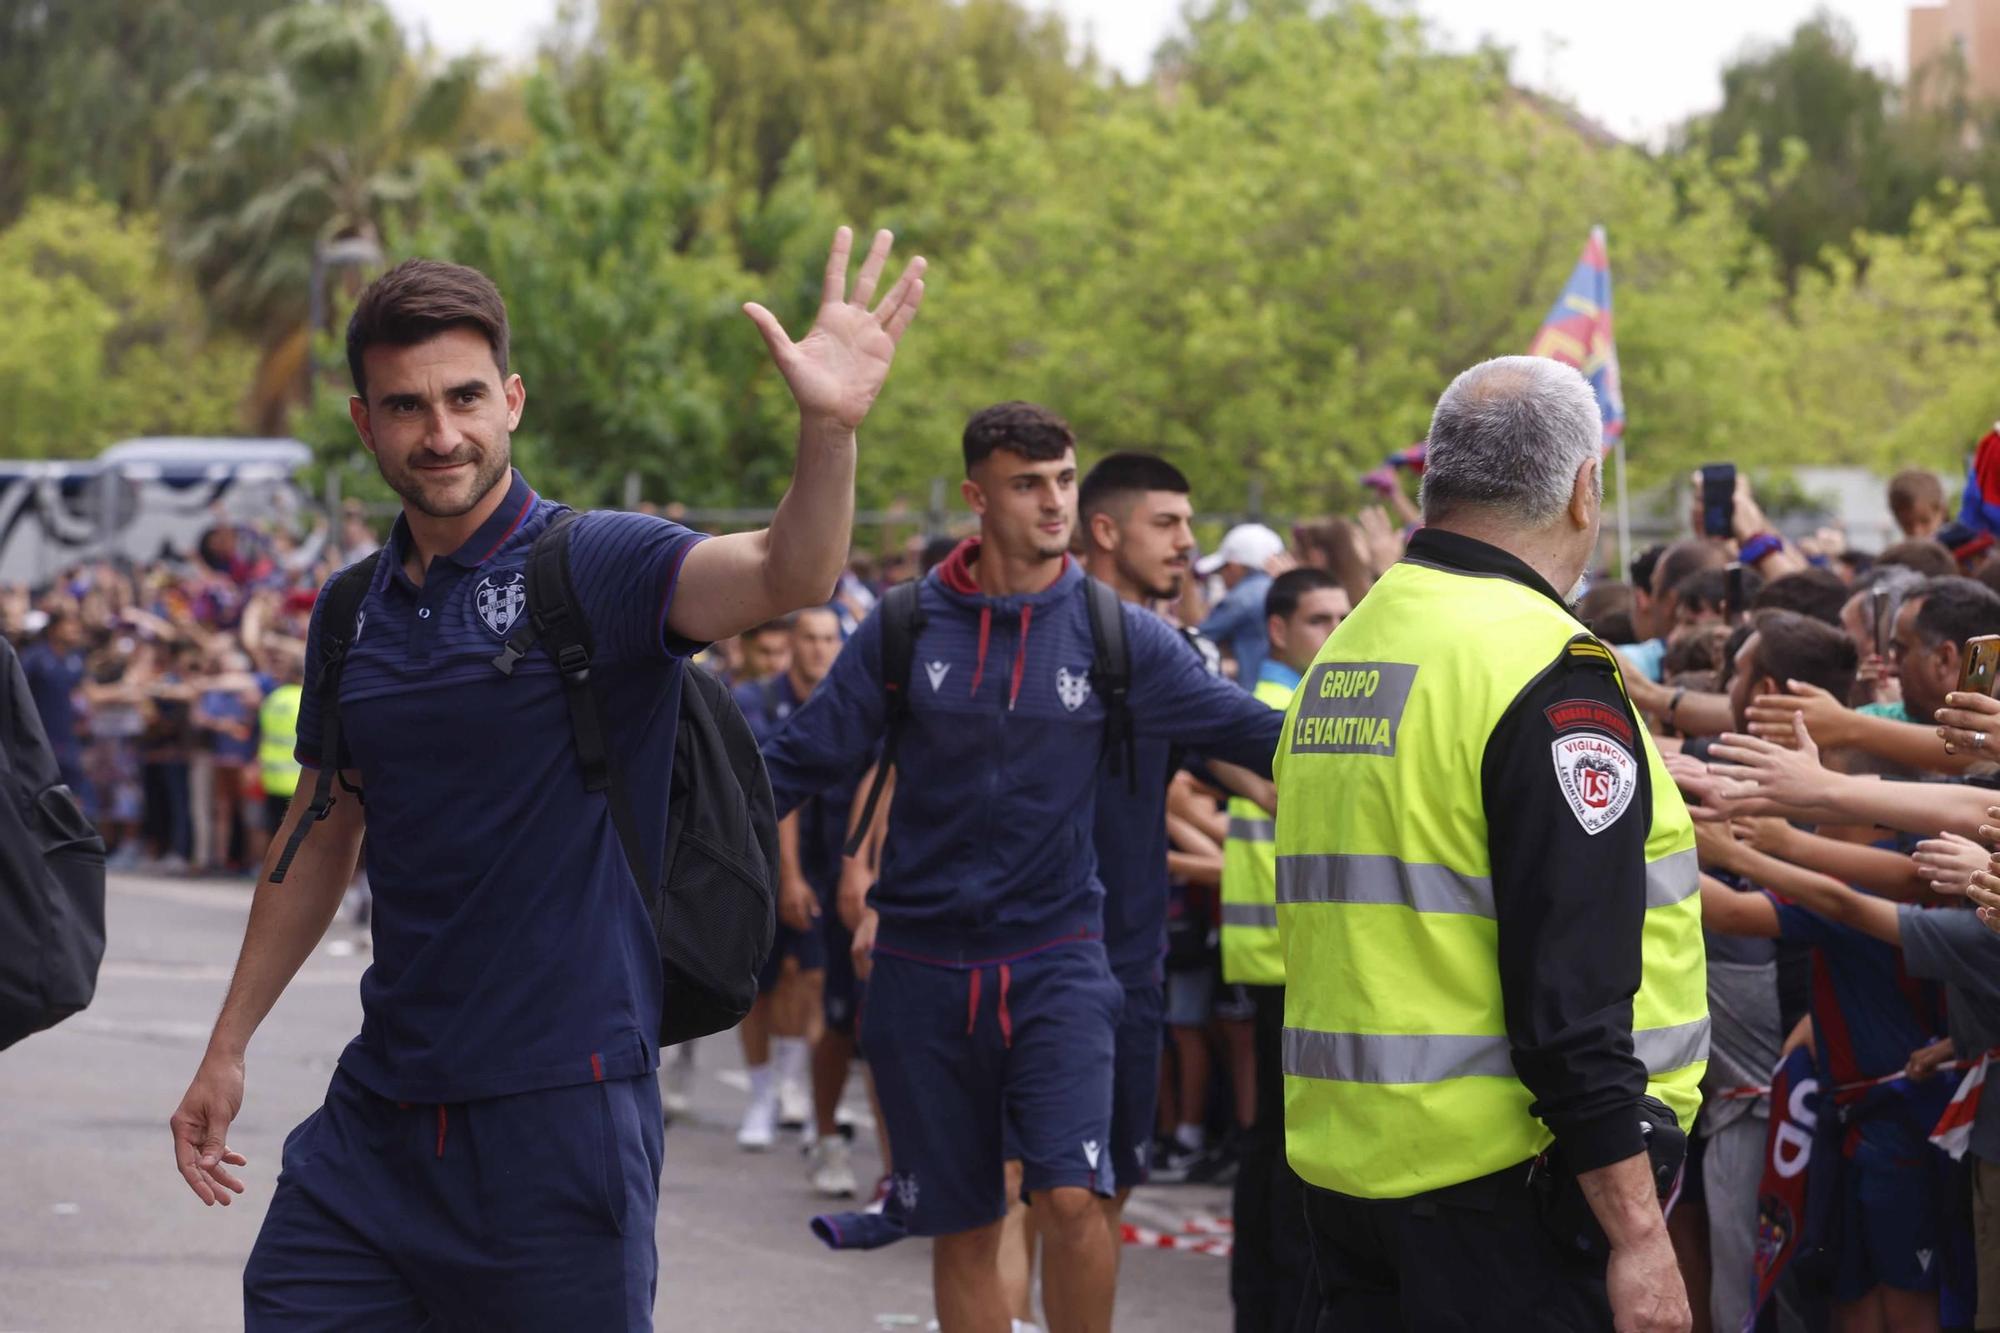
83 84
103 341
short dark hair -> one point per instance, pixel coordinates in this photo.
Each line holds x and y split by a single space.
1956 609
1117 476
1989 572
1027 429
1641 568
1818 593
1795 647
1912 487
1708 589
1929 558
1603 602
1287 590
782 625
419 299
1685 558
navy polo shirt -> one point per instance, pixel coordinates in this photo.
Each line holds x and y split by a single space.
511 948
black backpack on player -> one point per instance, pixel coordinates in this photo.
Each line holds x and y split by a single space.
714 904
51 875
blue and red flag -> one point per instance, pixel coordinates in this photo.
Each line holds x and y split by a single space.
1577 333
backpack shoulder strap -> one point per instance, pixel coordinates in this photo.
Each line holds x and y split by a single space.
1111 676
336 636
902 619
555 619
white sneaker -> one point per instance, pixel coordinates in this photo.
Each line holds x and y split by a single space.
677 1085
760 1126
831 1166
795 1109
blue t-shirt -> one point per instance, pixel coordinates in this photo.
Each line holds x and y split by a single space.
512 950
1648 658
1130 837
767 705
1237 623
53 679
1869 1014
227 706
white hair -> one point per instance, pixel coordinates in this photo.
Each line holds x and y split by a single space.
1508 436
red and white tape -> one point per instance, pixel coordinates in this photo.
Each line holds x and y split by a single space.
1216 1243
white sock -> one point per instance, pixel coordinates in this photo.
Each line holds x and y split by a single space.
788 1057
1190 1137
763 1086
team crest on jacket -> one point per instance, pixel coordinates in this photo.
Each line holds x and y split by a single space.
1598 777
1072 688
501 601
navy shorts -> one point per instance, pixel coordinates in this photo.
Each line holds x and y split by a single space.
963 1055
533 1211
808 946
1135 1084
1888 1220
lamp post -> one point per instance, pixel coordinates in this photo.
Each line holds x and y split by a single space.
342 253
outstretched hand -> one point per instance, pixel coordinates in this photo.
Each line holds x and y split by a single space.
1791 777
1772 715
838 368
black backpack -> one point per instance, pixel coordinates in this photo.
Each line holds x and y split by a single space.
1110 678
51 875
714 905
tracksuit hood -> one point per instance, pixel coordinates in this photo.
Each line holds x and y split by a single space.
954 577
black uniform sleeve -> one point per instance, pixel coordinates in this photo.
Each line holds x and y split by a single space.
1568 805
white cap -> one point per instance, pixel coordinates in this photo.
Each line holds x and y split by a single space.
1246 544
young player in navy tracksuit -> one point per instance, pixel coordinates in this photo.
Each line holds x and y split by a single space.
990 994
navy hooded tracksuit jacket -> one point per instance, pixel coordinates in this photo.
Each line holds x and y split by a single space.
989 851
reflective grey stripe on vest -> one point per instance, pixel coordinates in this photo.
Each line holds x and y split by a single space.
1334 878
1250 914
1253 830
1359 1057
1672 879
1663 1050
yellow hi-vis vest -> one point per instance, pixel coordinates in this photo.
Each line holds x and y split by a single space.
1251 954
277 737
1398 1074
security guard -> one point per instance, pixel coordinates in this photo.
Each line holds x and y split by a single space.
1270 1265
1495 1012
277 736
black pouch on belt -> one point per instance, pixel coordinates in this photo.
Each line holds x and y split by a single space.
1559 1197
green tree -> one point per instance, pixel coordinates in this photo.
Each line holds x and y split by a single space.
325 138
83 84
625 300
103 342
850 76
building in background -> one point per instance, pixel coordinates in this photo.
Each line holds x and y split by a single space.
1953 40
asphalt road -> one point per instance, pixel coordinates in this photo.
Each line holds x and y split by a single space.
100 1235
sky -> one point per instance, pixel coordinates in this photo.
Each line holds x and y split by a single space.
1636 68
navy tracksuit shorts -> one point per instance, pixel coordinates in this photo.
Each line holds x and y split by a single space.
974 1063
533 1211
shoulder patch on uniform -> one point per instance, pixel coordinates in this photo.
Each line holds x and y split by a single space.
1598 777
1584 650
1589 715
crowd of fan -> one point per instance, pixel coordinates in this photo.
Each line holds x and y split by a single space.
1806 695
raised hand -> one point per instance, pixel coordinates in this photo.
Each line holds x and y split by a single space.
1791 777
1772 716
1949 861
838 368
1967 724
